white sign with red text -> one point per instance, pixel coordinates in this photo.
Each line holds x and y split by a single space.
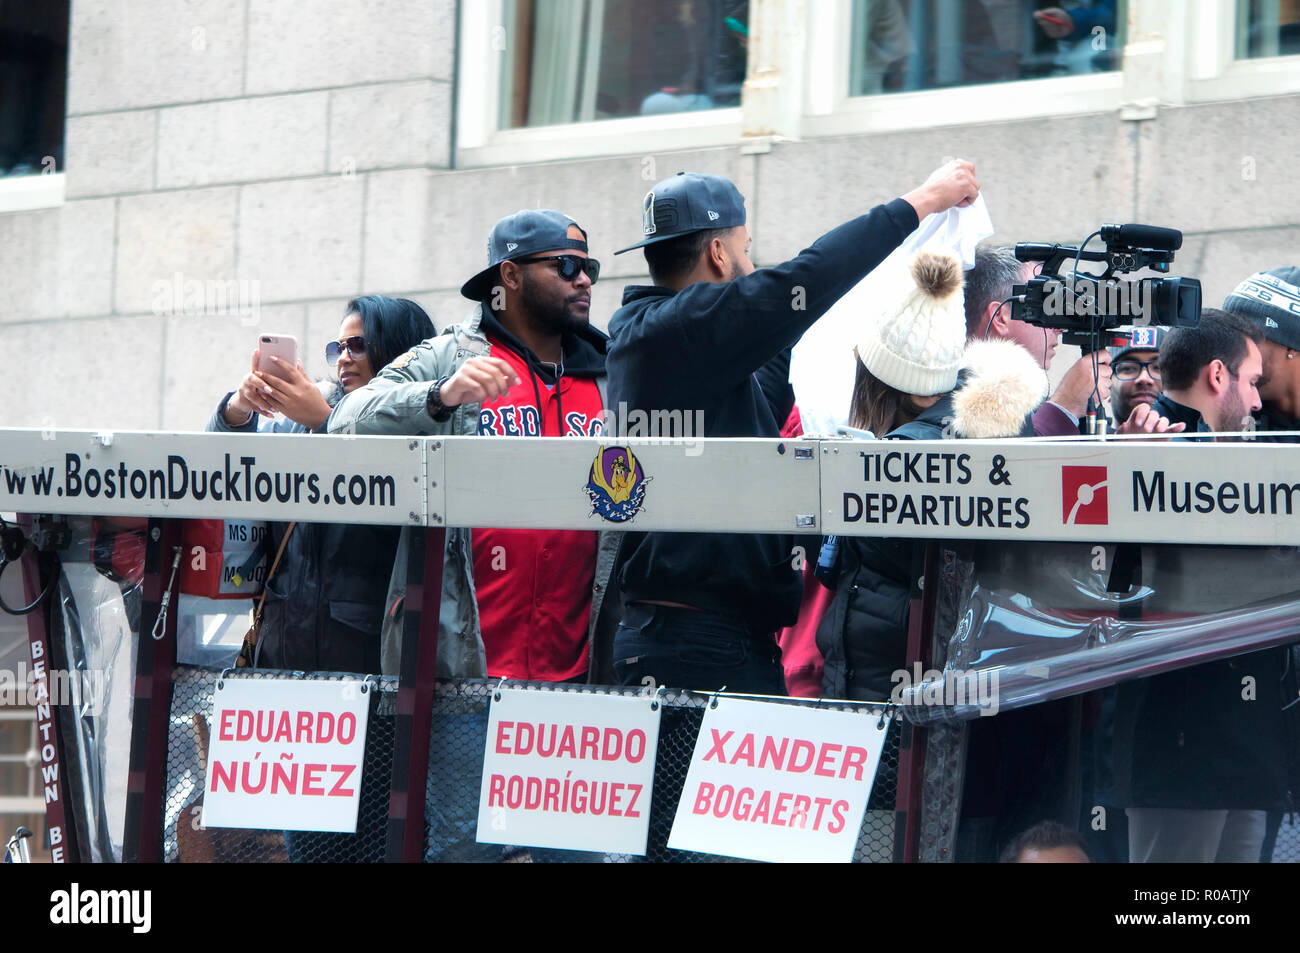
286 755
778 782
568 770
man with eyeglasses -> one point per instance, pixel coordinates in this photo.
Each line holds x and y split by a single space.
526 362
1136 368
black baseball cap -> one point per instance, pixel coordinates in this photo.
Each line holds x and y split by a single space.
1271 299
518 236
689 202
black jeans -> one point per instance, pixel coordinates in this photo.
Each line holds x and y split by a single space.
686 648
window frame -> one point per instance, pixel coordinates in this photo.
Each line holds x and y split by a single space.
1213 71
26 193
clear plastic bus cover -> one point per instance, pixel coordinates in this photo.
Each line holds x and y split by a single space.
99 601
1036 621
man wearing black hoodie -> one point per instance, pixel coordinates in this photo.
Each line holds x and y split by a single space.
528 363
713 336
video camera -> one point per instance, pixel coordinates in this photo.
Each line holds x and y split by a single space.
1084 306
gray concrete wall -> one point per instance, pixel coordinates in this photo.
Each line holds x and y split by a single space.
306 147
278 145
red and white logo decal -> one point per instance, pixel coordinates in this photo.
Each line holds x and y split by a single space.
1083 496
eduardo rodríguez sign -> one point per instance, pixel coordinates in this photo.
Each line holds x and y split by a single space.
568 770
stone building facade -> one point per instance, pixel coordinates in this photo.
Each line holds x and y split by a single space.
237 166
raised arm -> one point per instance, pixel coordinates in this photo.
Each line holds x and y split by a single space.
753 318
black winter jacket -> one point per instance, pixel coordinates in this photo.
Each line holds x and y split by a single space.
863 636
325 603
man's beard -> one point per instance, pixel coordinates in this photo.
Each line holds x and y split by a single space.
1120 408
1123 406
551 315
1232 412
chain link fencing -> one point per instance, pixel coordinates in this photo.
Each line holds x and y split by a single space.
1286 844
460 722
456 749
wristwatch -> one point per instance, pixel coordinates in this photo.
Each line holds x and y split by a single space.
434 405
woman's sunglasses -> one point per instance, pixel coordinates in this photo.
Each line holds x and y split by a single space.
354 345
568 265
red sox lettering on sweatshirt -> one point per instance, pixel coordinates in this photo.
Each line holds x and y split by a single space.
534 586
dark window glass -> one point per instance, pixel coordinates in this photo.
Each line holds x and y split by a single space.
908 45
15 733
581 60
33 85
1268 28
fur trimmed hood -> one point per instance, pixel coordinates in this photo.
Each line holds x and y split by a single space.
1000 386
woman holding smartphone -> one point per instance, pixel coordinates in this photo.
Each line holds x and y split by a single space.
325 602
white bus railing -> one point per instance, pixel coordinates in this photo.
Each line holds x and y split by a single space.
1021 490
1112 491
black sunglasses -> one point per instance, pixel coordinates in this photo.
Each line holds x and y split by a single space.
354 345
569 265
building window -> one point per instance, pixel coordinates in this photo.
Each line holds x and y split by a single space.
33 86
1267 28
21 800
909 45
18 747
584 60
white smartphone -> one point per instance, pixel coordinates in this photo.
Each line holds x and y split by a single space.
283 346
854 433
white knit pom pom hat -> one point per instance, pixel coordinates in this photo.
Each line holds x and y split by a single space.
914 339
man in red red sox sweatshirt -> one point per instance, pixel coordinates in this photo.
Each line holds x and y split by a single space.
526 363
534 586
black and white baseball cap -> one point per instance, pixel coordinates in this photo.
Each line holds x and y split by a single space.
689 202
